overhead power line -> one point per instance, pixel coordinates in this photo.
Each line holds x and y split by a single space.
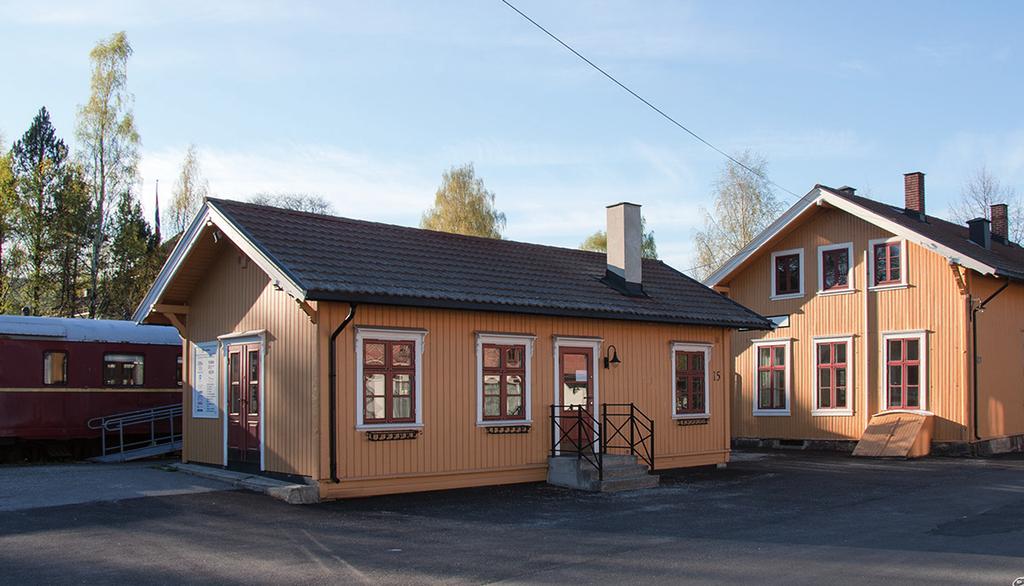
645 101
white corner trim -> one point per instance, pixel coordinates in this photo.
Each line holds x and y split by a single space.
922 337
903 263
847 411
850 262
418 337
788 344
505 339
595 346
803 274
704 349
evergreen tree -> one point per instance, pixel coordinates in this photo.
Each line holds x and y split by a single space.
39 165
130 268
71 228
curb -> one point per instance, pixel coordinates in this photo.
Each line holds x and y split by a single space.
293 494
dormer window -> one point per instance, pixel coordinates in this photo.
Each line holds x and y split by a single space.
787 274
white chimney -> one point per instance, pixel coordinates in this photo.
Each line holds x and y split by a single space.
624 241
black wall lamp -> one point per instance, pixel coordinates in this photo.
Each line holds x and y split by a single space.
608 362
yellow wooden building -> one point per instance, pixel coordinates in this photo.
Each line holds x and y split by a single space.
879 308
374 359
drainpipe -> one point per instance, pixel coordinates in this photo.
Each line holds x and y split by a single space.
332 398
974 350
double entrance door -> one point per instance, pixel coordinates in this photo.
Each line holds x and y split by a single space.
243 404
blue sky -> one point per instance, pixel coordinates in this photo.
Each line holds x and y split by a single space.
367 103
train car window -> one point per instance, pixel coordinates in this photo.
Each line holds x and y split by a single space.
123 370
55 368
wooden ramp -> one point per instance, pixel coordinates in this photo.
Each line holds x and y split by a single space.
897 434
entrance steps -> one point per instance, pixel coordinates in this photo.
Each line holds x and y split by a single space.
621 472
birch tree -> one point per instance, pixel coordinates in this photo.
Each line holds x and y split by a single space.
300 202
745 204
8 255
463 205
109 142
979 192
189 192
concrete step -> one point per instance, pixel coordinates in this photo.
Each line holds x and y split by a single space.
617 471
621 472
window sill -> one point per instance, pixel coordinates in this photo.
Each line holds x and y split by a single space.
385 435
771 412
889 287
704 415
786 296
832 413
507 429
389 427
836 292
504 422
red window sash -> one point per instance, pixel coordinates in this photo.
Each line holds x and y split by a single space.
886 278
903 364
691 375
501 371
835 273
832 366
788 281
389 370
771 368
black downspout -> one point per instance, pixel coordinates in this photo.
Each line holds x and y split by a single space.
332 399
974 351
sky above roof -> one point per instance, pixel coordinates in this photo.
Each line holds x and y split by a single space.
367 103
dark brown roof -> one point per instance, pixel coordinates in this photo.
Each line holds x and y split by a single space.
1006 258
340 259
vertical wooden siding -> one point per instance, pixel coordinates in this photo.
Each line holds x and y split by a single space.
931 302
235 297
1001 353
452 444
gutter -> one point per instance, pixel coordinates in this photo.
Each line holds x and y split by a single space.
974 350
332 397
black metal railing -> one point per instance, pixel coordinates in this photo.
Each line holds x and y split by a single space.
623 429
574 430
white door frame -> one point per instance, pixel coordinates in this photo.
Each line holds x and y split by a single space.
227 340
595 346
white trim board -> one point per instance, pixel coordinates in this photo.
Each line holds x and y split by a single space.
226 341
851 261
686 347
883 378
799 252
418 337
788 377
506 339
850 369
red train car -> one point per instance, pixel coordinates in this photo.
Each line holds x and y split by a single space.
57 373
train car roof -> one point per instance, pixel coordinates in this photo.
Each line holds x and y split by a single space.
87 330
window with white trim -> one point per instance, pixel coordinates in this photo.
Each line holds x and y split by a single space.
835 268
690 365
888 263
905 384
787 274
504 373
833 364
389 377
772 376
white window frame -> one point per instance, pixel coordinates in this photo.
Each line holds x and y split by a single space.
871 264
417 337
816 410
848 247
595 345
226 341
803 275
757 345
683 347
504 340
922 337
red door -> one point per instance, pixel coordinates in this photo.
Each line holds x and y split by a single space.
577 392
243 403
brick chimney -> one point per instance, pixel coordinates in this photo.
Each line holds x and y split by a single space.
1001 222
913 192
624 242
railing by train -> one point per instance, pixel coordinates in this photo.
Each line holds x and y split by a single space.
575 430
156 426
